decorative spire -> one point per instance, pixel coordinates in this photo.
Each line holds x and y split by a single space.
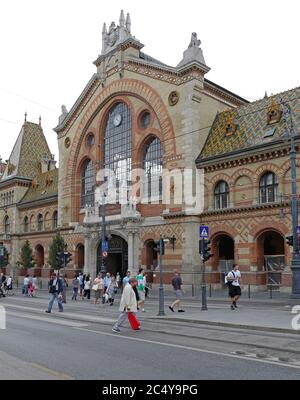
104 29
122 19
193 53
25 119
266 95
128 23
40 121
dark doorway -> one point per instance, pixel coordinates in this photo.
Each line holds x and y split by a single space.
39 260
117 260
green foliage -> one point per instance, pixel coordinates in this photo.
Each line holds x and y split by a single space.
58 245
26 254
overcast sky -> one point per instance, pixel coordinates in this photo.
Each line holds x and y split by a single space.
48 48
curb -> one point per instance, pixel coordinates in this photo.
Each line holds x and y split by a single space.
231 325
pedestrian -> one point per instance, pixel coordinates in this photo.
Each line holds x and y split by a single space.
9 282
35 285
25 285
112 290
30 290
233 280
146 285
87 287
75 287
177 286
128 304
65 285
126 279
98 288
118 279
106 281
81 284
55 286
141 289
2 280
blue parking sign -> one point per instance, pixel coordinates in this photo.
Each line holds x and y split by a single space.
204 231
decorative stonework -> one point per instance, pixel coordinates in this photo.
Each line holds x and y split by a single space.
173 98
274 113
67 142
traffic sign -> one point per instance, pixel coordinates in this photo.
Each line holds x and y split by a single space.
104 254
105 246
298 230
204 231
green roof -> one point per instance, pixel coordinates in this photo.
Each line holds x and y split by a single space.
250 126
44 186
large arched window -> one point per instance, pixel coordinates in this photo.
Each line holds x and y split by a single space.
40 222
268 188
88 182
118 147
55 220
153 166
221 195
26 225
6 225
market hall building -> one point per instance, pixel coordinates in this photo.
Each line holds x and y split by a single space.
135 113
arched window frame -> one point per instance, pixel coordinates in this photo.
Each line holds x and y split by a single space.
88 182
268 188
26 224
55 220
221 195
40 223
6 224
153 170
118 148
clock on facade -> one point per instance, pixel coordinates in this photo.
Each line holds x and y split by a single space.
117 120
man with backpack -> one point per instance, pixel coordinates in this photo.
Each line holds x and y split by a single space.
55 286
233 280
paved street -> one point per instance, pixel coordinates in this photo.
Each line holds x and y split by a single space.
79 343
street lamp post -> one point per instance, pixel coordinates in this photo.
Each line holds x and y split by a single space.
294 204
103 231
161 311
203 281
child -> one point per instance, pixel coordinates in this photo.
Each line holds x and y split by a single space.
30 290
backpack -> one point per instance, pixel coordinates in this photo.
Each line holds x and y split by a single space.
229 282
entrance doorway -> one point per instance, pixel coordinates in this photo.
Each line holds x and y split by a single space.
117 260
224 248
39 257
271 255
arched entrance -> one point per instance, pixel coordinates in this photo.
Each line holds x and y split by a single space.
39 258
151 255
271 255
117 260
223 249
80 256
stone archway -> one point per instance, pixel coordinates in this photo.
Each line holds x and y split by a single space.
39 257
223 250
271 255
117 260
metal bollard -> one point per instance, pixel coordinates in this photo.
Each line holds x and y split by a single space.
210 291
249 291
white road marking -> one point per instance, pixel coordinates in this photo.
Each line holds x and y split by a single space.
178 346
48 319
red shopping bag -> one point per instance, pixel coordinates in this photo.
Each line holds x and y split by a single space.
134 322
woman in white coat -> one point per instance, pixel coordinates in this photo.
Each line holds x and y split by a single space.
128 304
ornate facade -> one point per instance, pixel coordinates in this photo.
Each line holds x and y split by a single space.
135 113
246 159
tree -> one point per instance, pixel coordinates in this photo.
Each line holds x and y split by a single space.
4 255
27 259
57 246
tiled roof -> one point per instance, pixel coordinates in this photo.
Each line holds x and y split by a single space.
251 124
29 150
150 59
43 186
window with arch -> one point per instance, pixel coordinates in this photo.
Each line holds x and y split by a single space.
55 220
221 195
40 222
26 224
88 182
153 168
268 188
6 225
118 147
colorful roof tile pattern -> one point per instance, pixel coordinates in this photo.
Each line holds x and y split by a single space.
43 186
251 125
29 150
